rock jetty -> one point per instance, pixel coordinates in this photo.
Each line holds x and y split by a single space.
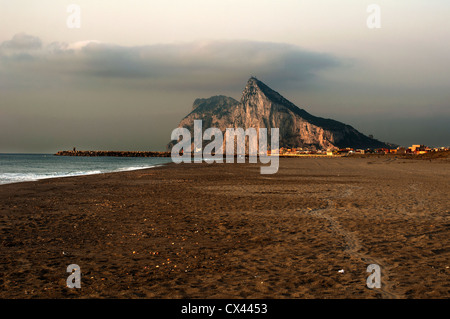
113 153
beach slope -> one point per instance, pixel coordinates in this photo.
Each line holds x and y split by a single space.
226 231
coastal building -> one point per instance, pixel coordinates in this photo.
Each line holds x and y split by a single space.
400 150
417 147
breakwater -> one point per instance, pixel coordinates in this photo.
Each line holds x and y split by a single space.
113 153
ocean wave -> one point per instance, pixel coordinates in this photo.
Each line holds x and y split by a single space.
8 178
23 168
134 168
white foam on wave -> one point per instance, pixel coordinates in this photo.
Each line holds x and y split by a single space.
9 178
134 168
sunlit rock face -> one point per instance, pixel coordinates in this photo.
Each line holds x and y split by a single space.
262 107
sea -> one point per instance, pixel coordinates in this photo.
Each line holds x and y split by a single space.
15 168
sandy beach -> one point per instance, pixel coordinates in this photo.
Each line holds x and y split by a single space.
226 231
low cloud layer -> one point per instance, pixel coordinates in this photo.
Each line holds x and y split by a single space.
21 43
173 66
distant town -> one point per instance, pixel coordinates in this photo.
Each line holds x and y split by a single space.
284 151
414 150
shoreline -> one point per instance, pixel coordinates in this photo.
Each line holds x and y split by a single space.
226 231
86 174
16 168
432 157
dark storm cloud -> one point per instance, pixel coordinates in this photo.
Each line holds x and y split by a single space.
211 58
210 64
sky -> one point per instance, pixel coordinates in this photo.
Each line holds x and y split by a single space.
125 78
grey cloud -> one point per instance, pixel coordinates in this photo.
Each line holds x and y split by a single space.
181 66
21 42
212 61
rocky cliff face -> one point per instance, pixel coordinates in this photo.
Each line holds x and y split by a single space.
262 107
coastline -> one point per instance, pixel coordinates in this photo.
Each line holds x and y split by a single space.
17 168
225 231
85 174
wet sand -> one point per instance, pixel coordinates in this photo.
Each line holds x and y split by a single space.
226 231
